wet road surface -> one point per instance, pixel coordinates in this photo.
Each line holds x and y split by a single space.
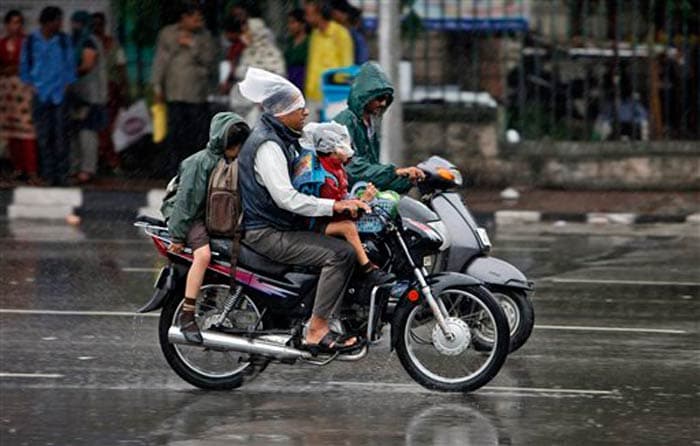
614 358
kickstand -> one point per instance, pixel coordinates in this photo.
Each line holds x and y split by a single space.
257 323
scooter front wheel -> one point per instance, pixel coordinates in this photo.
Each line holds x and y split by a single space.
521 319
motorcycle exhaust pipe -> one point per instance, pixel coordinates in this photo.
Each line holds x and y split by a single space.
223 341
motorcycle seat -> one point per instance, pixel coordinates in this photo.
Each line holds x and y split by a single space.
150 220
250 259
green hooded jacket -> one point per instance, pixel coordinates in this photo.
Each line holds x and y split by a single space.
188 204
370 83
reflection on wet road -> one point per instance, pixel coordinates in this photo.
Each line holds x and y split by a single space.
613 358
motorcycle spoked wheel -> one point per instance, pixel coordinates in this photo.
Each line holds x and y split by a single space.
452 366
521 319
203 367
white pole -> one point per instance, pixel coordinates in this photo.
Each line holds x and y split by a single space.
389 56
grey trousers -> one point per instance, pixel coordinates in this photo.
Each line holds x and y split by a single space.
336 258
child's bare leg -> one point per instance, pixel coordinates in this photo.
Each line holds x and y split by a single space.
348 230
195 277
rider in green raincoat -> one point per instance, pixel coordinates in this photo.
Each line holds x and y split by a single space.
370 96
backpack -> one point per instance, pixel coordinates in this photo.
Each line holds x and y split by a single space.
308 174
223 207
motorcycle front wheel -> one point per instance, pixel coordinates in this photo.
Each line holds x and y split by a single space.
204 367
451 363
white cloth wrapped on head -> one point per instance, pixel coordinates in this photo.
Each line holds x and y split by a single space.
327 137
276 94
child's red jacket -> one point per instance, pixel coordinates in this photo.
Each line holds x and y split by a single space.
330 189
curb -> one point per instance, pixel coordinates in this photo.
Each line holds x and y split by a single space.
505 218
57 203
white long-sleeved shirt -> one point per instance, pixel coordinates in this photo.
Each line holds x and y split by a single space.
271 171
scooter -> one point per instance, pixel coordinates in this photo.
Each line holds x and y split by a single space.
467 246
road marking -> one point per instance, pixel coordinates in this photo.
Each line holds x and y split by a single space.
551 390
77 313
86 240
610 329
520 249
134 314
618 282
140 270
526 238
31 375
485 388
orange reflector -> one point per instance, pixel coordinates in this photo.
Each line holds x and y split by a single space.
413 295
445 174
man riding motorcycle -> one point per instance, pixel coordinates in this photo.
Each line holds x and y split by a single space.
272 207
370 96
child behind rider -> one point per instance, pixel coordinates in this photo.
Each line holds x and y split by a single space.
332 144
185 211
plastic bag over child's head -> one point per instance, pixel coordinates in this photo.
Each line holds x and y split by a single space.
276 94
327 137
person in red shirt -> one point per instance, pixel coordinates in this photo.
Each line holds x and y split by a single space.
16 102
332 144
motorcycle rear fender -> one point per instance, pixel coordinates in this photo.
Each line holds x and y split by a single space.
438 283
494 271
167 281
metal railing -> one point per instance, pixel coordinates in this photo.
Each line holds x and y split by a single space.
561 69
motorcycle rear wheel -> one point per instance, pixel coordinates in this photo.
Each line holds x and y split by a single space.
452 366
200 366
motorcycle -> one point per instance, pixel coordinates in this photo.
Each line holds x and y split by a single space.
434 318
467 247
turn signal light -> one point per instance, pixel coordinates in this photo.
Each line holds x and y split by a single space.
413 295
445 174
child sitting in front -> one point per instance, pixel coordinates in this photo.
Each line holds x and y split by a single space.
332 144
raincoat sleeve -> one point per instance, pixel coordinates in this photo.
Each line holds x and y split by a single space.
190 197
362 167
383 176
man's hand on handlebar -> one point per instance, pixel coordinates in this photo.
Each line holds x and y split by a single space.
414 174
351 207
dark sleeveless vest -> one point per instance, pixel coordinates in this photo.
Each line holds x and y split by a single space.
259 209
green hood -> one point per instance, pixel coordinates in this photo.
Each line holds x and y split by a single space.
369 83
218 130
188 204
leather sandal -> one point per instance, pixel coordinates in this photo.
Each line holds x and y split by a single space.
332 343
